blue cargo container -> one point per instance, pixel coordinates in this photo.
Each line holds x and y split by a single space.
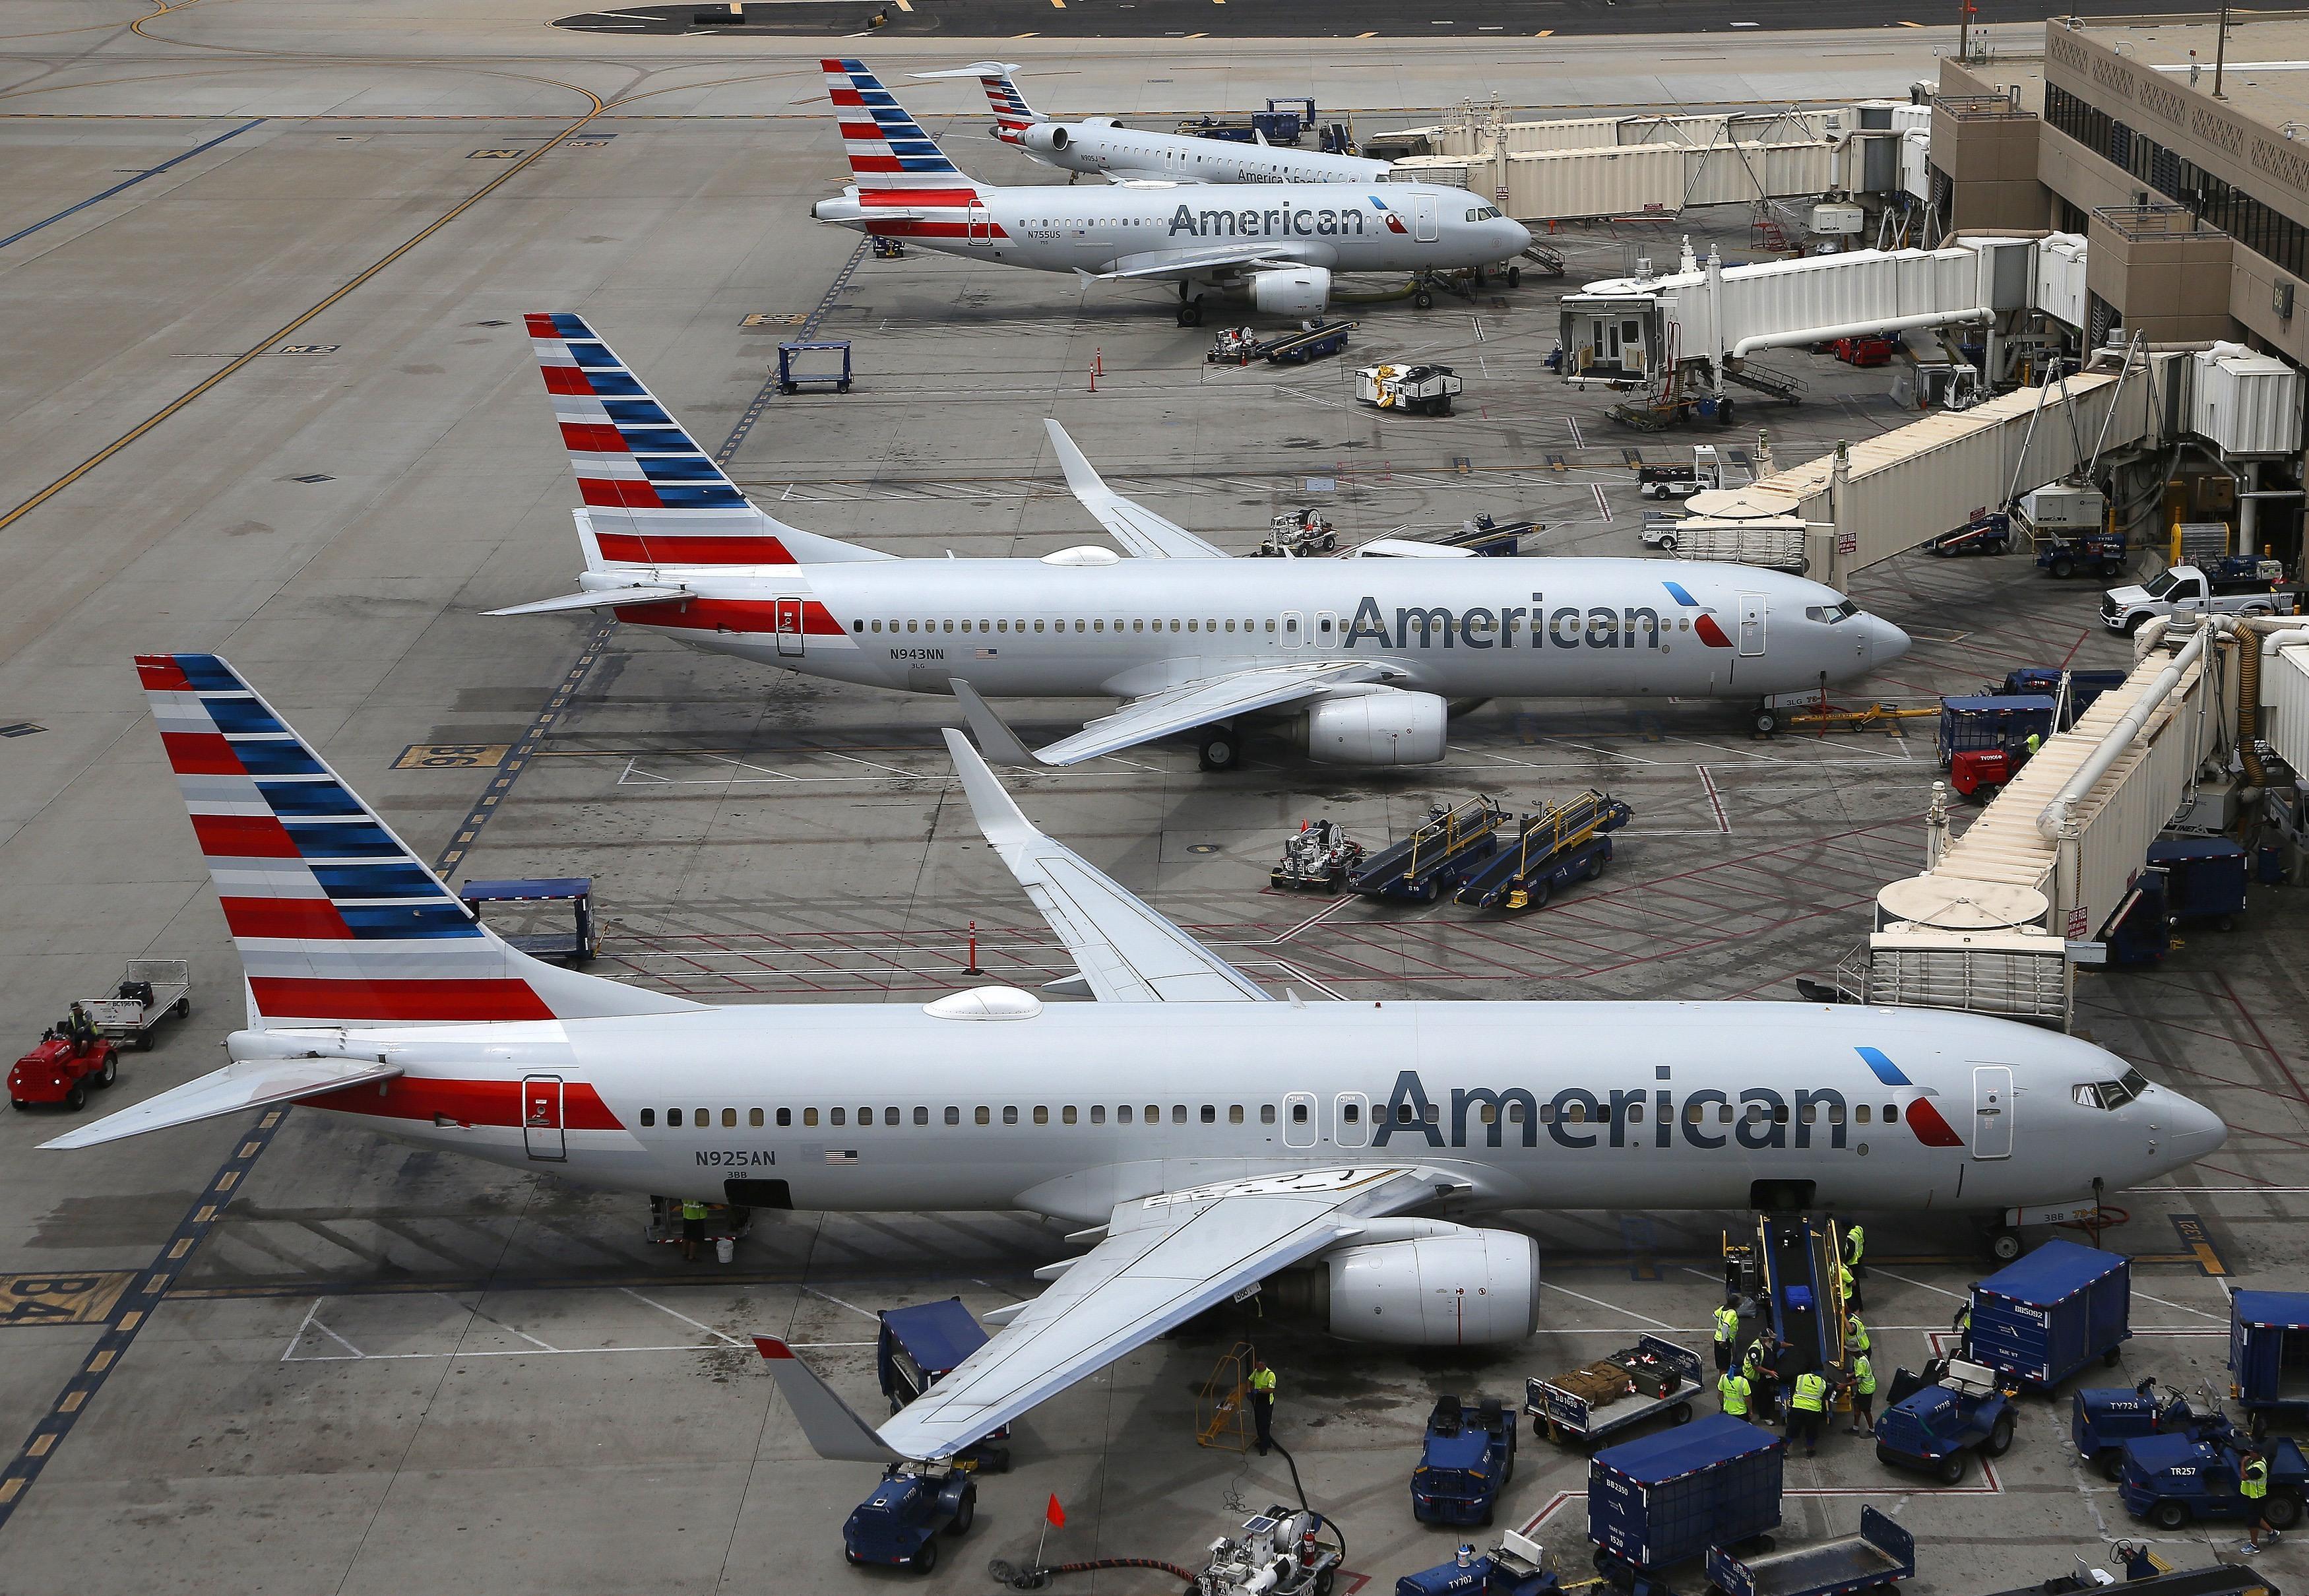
2204 878
1670 1497
2268 1356
2043 1317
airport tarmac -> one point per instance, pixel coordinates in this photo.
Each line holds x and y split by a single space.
288 349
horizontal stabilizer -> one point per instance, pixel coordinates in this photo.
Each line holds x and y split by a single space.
995 737
830 1424
595 600
229 1090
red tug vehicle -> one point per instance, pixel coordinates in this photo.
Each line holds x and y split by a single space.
62 1071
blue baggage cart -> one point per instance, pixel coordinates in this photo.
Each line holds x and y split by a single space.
2043 1317
2269 1357
1667 1498
918 1347
2204 878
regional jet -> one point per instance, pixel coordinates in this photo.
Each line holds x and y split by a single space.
1357 659
1279 241
1204 1136
1103 146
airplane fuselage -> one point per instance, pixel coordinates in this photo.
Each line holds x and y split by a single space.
1538 1105
1460 628
1099 146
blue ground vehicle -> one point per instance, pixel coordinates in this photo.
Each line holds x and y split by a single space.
1983 739
918 1347
1444 851
1672 1378
2173 1481
2268 1356
1882 1553
1468 1459
2095 553
1934 1429
1669 1498
899 1523
2041 1318
1517 1566
2101 1421
2084 686
2204 878
1562 843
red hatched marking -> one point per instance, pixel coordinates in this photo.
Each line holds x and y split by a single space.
467 1102
312 919
201 753
243 837
313 998
160 673
747 550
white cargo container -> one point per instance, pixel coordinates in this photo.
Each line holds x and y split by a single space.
2061 278
1777 544
2285 697
2245 402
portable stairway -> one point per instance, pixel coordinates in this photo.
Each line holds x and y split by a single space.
1543 260
1782 385
1793 1269
1561 841
1440 854
1296 349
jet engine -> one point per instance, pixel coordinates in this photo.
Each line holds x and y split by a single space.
1455 1286
1383 725
1292 291
1045 138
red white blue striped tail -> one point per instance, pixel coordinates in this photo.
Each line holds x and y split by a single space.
338 922
1012 114
888 151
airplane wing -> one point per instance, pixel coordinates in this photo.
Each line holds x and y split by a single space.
1132 525
1126 951
1200 703
1164 1259
229 1091
1160 264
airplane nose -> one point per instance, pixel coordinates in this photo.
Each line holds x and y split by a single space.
2197 1130
1519 236
1886 642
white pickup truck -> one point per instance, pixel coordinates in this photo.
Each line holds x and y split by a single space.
2236 587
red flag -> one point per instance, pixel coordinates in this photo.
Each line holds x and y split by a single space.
1054 1514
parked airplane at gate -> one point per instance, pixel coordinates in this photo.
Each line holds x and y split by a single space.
1101 146
1279 241
1359 657
1219 1138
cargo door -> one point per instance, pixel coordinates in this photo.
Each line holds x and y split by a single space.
1752 625
1992 1111
1351 1120
1298 1119
788 626
1425 205
540 1118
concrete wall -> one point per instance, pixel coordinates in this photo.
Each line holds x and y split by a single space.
1992 163
2173 288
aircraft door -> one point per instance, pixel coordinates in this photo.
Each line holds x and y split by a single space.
1752 624
540 1118
1351 1120
1425 205
1294 629
1327 629
1992 1111
980 229
788 625
1298 1119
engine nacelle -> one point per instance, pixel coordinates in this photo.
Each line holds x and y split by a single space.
1387 725
1462 1288
1045 138
1292 291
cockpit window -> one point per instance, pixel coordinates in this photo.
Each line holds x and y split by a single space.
2110 1093
1831 613
2135 1082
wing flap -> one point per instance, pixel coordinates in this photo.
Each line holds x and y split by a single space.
1200 703
229 1090
1132 525
1188 263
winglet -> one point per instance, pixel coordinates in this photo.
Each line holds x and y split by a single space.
999 742
1130 524
1082 476
832 1426
1003 823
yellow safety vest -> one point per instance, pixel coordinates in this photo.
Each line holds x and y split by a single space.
1262 1380
1857 1240
1734 1385
1864 1377
1754 1358
1811 1393
693 1210
2253 1479
1727 1324
1844 1279
1857 1333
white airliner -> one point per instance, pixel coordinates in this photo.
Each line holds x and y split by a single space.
1204 1135
1359 657
1103 146
1279 241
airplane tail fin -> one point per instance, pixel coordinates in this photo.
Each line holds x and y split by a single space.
338 922
1012 115
830 1424
893 159
652 496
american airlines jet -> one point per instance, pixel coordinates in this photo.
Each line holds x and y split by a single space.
1204 1136
1279 241
1358 659
1101 146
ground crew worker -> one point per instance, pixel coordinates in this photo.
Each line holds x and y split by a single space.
1850 1288
1757 1364
1262 1402
80 1031
1855 1248
1855 1334
1807 1407
2030 744
2252 1484
692 1228
1727 1332
1732 1386
1962 1323
1863 1395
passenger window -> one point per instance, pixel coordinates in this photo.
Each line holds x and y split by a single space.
1547 1114
1038 626
1010 1116
1488 1113
1122 1115
810 1117
889 1116
1575 1112
1234 1115
1402 1114
1691 1113
1178 1113
1780 1114
1755 1114
754 1118
953 1117
864 1117
921 1116
785 1118
1098 1114
1835 1114
1862 1114
649 1117
1891 1114
982 1117
700 1117
673 1117
1270 623
1068 1114
1210 1115
729 1119
1042 1114
1724 1113
836 1117
1515 1113
1433 1113
1351 1114
1812 1113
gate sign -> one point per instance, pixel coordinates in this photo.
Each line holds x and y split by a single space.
2079 926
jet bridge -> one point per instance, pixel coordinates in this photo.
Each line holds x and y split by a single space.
1996 919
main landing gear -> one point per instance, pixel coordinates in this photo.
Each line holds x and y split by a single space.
1219 749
